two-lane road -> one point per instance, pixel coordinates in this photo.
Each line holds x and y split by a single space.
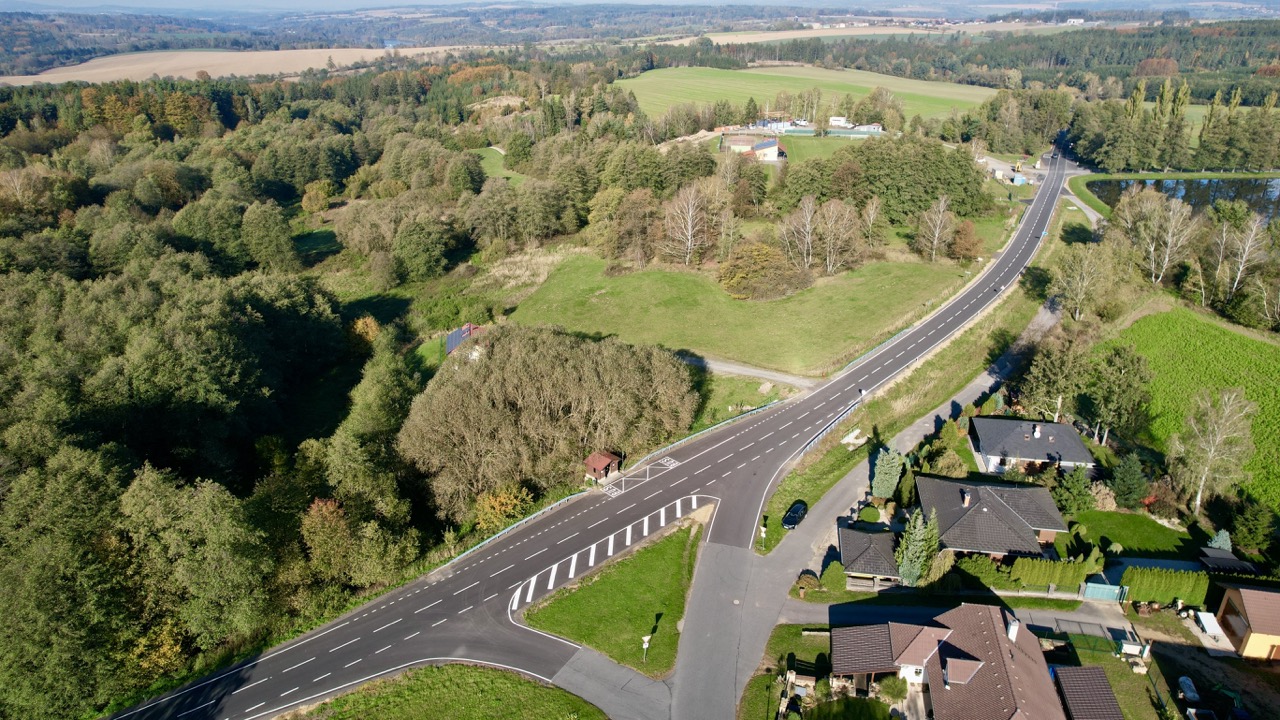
463 611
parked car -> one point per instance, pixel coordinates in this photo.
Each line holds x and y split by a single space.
1187 690
794 515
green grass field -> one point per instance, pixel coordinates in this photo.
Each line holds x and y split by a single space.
660 90
800 147
640 594
491 161
1138 534
471 693
1188 352
809 332
728 396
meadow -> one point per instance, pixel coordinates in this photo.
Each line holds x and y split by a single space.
1188 352
660 90
471 693
807 333
491 161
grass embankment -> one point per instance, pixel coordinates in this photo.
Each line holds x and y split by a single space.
470 693
491 161
923 389
1188 351
809 332
1139 535
640 594
727 396
662 89
1079 185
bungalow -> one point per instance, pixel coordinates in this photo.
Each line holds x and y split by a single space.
1250 617
866 552
992 518
975 661
768 150
1003 442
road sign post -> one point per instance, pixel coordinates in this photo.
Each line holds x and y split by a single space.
645 640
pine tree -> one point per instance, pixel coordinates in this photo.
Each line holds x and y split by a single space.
917 548
888 470
1129 483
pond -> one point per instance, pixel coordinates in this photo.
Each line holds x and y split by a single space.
1261 194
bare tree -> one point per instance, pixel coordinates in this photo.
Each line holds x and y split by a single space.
1175 227
1217 444
686 225
936 226
1078 276
1248 250
871 217
840 233
798 233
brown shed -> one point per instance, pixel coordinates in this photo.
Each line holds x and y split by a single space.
601 465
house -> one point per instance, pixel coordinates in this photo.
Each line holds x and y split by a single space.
870 129
866 552
601 465
975 660
1086 693
992 518
1250 617
767 150
1003 442
1075 21
839 121
1225 561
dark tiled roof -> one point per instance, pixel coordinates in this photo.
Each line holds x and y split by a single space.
599 461
861 649
1011 682
1087 694
1001 518
1216 560
1015 439
1261 608
865 551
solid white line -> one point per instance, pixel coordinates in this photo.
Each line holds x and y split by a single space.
425 607
304 662
393 622
322 677
536 554
246 687
576 534
352 663
502 570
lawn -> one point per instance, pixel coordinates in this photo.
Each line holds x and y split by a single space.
491 161
1132 691
1187 352
788 647
641 594
1139 535
471 693
812 332
800 147
727 396
660 90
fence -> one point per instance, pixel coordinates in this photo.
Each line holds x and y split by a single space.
1105 592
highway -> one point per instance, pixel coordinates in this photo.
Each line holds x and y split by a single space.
465 610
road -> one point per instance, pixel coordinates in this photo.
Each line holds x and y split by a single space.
464 611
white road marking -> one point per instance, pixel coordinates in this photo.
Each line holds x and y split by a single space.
304 662
393 622
246 687
536 554
326 675
487 599
459 612
385 648
576 534
255 707
646 497
286 692
502 570
187 712
596 523
438 622
621 511
410 637
678 482
467 587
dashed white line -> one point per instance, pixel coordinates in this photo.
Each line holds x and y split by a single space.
255 707
695 472
726 474
415 612
304 662
619 512
393 622
246 687
536 554
286 692
656 492
596 523
485 600
465 609
502 570
740 466
186 712
385 648
438 622
678 481
576 534
467 588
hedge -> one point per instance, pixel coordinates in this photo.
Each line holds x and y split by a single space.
1151 584
1038 571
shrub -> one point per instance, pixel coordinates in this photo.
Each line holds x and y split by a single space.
807 581
869 513
1148 584
1221 540
1072 493
1038 571
985 570
1103 498
1115 548
893 689
833 577
757 271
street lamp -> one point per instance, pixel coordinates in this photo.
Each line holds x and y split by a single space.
645 641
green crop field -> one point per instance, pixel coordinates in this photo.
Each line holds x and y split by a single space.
809 332
660 90
1188 352
470 693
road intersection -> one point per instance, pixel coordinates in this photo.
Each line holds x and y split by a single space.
466 611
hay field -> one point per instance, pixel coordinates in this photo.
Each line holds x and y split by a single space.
218 63
660 90
751 36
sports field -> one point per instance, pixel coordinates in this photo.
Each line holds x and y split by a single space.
809 332
660 90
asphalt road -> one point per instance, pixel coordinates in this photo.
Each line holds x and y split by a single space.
464 611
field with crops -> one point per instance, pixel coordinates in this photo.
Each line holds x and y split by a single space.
1188 352
660 90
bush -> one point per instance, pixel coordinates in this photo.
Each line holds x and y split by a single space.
893 689
986 571
1073 493
1148 584
833 577
808 580
757 271
870 514
1221 541
1038 572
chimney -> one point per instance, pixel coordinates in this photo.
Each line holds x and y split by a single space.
1012 626
964 497
1035 430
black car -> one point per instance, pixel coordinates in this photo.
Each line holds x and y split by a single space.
794 515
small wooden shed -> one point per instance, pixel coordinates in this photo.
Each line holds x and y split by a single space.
601 465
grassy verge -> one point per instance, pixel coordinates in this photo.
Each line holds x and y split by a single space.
1138 534
923 389
727 396
472 693
641 594
760 698
1079 185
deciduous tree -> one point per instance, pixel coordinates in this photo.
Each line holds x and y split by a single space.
1218 442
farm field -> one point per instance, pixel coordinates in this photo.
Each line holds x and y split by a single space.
660 90
474 693
760 36
491 161
811 332
218 63
1188 352
640 594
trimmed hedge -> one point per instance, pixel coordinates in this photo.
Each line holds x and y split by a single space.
1038 571
1150 584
